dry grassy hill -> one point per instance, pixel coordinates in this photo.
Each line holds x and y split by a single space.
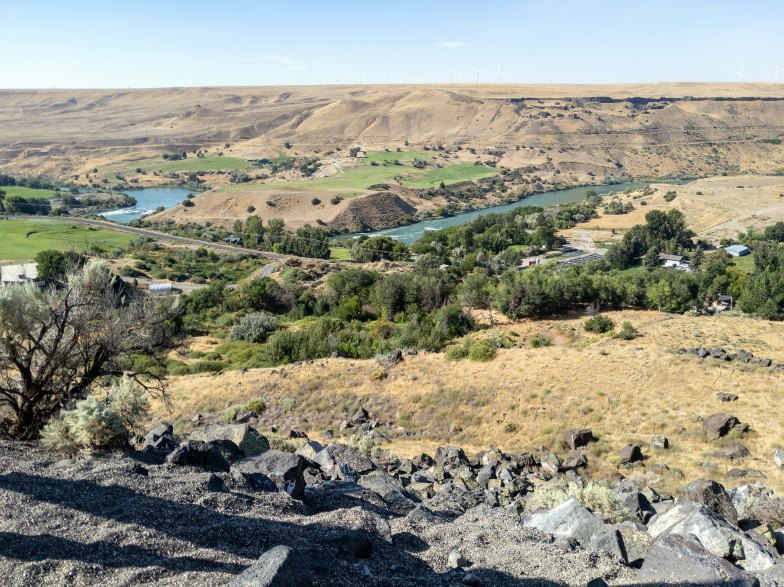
559 134
626 391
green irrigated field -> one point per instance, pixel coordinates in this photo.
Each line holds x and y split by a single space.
381 156
22 239
210 162
356 180
15 190
339 254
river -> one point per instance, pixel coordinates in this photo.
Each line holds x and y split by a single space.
412 232
148 200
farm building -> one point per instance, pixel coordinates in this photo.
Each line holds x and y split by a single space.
20 273
529 262
673 261
738 250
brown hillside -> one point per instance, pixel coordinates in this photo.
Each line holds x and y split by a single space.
376 210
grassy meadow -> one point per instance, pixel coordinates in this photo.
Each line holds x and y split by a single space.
15 190
22 239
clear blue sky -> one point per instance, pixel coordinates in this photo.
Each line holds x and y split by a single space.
145 43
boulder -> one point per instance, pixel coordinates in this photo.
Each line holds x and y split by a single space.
568 520
660 443
160 438
574 462
715 535
278 567
283 468
360 416
578 438
450 456
630 453
334 455
636 503
389 488
675 560
309 450
390 359
719 425
551 463
456 560
726 397
246 437
732 452
199 454
713 495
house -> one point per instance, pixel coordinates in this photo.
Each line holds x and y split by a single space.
737 250
673 261
529 262
20 273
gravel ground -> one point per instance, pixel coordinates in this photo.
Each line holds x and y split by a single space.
126 519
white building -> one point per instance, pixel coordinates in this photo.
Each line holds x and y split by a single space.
20 273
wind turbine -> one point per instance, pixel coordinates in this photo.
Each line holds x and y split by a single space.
499 74
455 76
779 70
477 75
739 73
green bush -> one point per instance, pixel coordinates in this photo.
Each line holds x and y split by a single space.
481 350
599 324
257 406
540 340
456 352
627 332
94 423
595 497
254 327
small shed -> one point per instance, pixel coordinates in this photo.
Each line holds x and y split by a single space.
738 250
20 273
161 287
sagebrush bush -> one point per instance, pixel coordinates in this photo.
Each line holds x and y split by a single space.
540 340
599 324
94 423
597 498
627 332
482 350
254 327
456 352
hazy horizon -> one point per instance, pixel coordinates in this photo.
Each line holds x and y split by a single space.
143 44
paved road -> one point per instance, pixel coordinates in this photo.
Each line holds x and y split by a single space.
158 235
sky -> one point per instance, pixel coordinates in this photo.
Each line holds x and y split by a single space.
166 43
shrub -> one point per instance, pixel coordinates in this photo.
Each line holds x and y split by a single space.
595 497
456 352
94 423
510 428
315 201
257 406
288 404
230 413
481 350
599 324
188 203
669 196
336 200
254 327
379 375
251 209
540 340
627 332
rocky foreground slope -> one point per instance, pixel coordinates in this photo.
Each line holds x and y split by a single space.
223 508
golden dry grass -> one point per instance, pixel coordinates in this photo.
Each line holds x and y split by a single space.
626 391
714 207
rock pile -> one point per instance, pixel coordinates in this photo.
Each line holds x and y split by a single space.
742 356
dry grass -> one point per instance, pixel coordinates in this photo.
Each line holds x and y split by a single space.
626 391
715 208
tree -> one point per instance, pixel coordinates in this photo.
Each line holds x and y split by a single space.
55 344
697 259
367 250
275 230
651 259
54 265
253 234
